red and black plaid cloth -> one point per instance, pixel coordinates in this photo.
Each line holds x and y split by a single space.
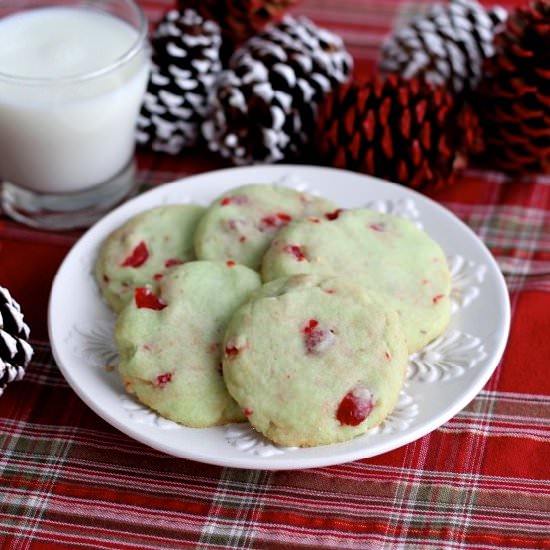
68 479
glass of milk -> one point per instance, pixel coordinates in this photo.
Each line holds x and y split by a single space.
72 78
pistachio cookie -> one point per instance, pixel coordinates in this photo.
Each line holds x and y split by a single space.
170 341
384 253
144 248
314 360
241 223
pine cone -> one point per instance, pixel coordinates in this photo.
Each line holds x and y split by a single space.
240 19
513 99
401 130
447 45
264 107
186 49
15 350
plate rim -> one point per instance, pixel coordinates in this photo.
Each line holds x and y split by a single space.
290 461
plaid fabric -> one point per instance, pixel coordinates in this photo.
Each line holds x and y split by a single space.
481 481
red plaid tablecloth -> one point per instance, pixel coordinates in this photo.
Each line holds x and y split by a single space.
69 479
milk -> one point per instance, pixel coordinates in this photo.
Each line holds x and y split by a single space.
71 86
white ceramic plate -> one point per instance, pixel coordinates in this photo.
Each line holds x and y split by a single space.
442 379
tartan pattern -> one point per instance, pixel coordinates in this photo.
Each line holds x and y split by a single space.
481 481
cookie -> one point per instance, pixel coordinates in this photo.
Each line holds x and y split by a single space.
241 223
144 248
314 360
384 253
170 341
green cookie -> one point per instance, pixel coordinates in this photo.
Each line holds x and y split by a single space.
384 253
170 342
314 360
241 223
144 248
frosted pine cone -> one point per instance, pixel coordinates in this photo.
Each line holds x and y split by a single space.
186 61
447 45
264 106
15 350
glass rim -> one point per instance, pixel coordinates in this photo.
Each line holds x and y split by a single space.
127 56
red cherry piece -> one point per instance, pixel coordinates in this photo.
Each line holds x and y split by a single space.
171 262
312 323
377 227
317 339
284 217
334 215
145 298
296 251
138 257
237 199
158 276
231 351
230 263
242 238
163 379
437 298
279 219
248 412
355 407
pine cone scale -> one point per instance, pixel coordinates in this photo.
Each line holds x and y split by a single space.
405 124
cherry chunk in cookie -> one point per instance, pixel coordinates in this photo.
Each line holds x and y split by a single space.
314 360
240 224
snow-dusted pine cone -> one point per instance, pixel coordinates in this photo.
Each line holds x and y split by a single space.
15 350
240 19
447 45
264 106
186 61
